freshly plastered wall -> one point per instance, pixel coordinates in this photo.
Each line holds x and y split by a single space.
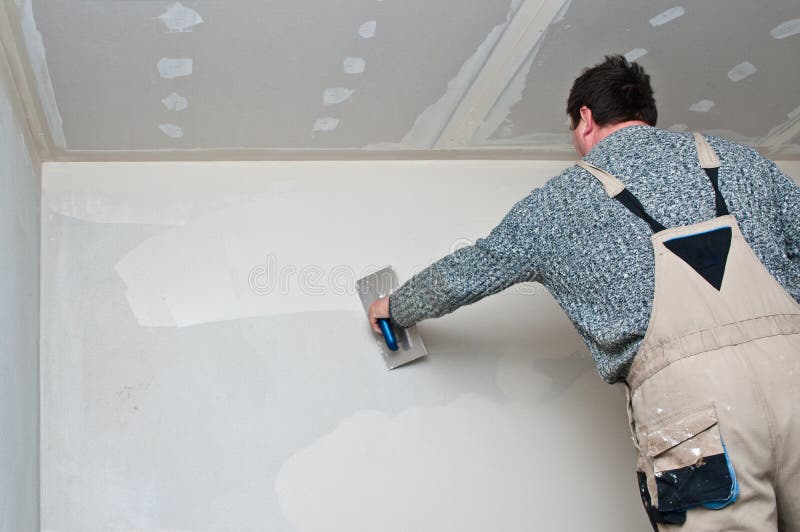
207 364
19 318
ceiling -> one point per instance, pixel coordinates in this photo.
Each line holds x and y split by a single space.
264 79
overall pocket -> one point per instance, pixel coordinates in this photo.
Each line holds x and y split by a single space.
689 464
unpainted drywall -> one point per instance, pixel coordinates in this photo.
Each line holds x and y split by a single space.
208 365
19 320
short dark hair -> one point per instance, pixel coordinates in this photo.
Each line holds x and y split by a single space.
616 90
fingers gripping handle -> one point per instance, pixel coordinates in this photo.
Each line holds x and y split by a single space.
388 333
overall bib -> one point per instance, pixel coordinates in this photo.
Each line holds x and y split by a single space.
714 389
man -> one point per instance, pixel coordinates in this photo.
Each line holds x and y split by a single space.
677 258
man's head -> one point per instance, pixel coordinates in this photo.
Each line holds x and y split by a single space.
609 94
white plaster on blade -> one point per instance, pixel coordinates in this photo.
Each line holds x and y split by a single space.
786 29
179 18
794 114
171 130
741 71
336 95
635 54
703 106
327 123
354 65
667 16
44 86
367 29
175 102
170 68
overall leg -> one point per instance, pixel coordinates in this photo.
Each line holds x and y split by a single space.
722 379
776 360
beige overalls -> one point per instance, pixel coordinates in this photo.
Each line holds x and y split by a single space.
714 390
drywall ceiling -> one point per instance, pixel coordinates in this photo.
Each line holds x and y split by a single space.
146 79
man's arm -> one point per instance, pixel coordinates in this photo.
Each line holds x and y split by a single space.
786 194
492 264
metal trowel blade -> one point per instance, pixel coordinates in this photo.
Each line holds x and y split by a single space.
409 343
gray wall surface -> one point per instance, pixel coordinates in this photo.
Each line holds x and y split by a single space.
207 364
19 321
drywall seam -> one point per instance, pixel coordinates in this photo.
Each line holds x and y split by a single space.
512 54
510 96
38 61
428 126
782 133
21 97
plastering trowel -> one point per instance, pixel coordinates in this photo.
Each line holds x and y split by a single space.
398 346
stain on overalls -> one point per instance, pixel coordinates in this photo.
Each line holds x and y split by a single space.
714 390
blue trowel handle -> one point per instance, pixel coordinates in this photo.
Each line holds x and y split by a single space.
388 333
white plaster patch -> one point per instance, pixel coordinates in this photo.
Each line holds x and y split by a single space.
327 123
786 29
741 71
367 29
179 18
667 16
170 68
175 102
635 54
794 114
354 65
335 95
703 106
171 130
466 466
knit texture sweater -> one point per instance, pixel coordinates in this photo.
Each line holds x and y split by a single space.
595 257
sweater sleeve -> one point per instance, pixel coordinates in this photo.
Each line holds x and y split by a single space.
503 258
786 194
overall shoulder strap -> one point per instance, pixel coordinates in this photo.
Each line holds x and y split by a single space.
616 189
709 162
612 185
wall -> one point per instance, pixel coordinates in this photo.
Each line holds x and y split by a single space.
208 366
19 318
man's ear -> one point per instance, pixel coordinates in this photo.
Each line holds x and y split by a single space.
588 120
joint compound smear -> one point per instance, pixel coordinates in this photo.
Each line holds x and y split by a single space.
354 65
635 54
741 71
786 29
703 106
472 465
171 130
170 68
175 102
667 16
326 124
335 95
367 29
180 18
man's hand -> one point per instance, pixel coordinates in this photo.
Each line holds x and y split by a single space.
378 309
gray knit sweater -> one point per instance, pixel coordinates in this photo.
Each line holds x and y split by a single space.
595 257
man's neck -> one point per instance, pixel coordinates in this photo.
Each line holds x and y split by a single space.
605 131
